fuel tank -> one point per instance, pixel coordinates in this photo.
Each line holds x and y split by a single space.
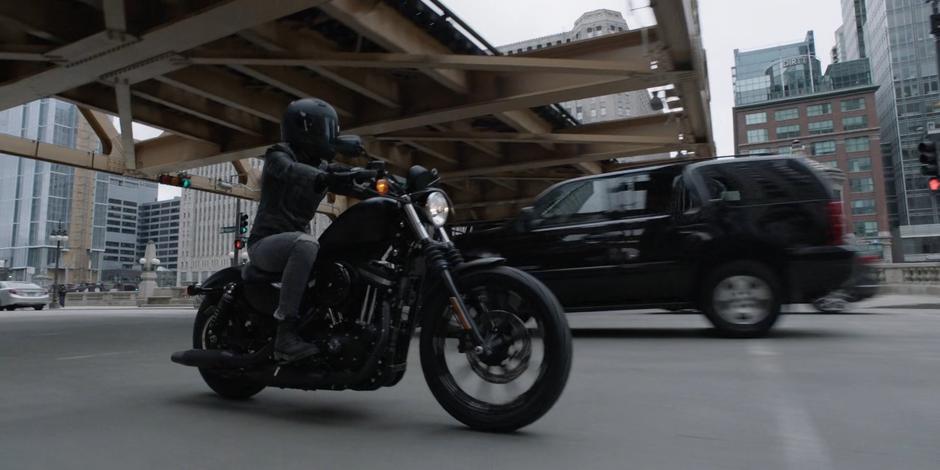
369 222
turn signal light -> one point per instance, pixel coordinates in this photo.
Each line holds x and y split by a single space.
381 186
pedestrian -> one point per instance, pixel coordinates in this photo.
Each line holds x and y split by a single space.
62 292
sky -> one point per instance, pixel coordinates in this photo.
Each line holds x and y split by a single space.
726 25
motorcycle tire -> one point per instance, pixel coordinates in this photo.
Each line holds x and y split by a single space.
552 375
230 385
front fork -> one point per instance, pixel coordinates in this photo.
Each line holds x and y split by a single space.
440 266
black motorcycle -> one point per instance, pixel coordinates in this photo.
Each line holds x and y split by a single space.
495 346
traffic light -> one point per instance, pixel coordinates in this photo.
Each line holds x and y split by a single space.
180 179
239 243
928 158
934 184
242 223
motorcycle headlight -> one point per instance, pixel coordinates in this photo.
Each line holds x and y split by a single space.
438 208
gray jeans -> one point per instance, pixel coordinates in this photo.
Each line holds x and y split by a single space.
292 254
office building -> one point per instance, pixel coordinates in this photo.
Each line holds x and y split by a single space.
602 108
159 222
776 72
896 37
37 197
837 126
123 198
97 210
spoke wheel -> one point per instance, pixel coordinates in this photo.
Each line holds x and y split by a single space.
526 358
209 333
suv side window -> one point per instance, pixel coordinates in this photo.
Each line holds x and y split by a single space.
761 182
624 195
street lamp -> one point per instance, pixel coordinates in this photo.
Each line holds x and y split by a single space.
59 236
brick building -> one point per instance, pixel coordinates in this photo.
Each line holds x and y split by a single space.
836 123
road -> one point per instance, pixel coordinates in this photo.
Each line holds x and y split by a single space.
95 389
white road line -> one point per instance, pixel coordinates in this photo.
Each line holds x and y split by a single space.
88 356
803 447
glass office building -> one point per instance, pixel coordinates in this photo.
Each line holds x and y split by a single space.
904 65
776 72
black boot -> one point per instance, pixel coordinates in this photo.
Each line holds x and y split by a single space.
289 346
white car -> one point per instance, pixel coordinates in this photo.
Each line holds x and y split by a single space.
22 294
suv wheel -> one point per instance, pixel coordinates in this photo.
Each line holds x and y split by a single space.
742 299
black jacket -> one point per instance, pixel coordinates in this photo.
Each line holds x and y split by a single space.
291 192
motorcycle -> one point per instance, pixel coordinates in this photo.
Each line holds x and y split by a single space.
494 346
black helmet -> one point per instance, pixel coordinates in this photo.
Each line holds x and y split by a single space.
310 127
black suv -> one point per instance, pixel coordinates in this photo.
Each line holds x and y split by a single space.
734 238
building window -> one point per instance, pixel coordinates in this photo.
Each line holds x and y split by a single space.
826 147
784 150
863 207
854 122
853 104
866 229
788 132
758 152
830 164
787 114
860 164
820 127
862 185
755 136
755 118
819 109
856 144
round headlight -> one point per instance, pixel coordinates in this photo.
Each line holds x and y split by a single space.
438 208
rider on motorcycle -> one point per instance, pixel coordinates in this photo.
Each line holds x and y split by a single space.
297 175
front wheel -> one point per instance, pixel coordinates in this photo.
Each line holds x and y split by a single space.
529 351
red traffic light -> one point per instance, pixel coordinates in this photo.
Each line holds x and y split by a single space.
239 244
934 184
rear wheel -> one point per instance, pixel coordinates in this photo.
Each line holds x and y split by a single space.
529 358
209 333
741 299
38 307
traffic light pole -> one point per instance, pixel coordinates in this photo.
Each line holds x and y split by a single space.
238 212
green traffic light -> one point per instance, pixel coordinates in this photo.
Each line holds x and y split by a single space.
185 183
243 229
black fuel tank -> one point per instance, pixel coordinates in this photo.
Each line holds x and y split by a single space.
371 221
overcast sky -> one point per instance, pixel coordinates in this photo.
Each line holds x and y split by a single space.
726 25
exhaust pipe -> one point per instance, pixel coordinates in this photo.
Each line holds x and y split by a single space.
217 359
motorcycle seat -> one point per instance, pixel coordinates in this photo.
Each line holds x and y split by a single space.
253 275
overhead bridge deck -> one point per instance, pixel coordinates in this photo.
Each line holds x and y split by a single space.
420 87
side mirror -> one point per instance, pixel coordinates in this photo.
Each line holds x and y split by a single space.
349 145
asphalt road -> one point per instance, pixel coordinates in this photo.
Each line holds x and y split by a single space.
95 390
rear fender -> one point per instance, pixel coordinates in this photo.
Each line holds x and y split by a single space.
216 281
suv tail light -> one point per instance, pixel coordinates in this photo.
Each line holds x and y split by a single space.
836 225
868 259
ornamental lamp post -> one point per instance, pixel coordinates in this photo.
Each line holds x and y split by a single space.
59 236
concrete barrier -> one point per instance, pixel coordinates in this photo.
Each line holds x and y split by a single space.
909 278
105 299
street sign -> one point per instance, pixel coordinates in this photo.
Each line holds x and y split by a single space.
228 229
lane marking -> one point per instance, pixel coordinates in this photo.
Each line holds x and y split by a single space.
88 356
803 447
